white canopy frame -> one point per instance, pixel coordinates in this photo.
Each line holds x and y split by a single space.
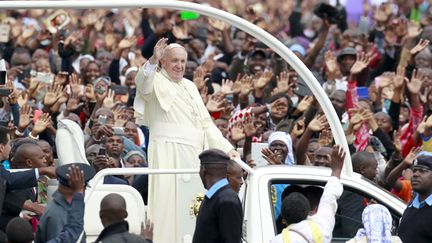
236 21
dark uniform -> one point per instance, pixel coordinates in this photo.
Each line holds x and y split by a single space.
416 221
220 216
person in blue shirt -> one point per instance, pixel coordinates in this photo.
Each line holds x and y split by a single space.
220 216
417 218
20 231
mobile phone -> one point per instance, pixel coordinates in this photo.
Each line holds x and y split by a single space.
5 92
36 115
102 151
100 90
102 119
26 73
119 89
4 33
119 131
46 78
257 154
3 77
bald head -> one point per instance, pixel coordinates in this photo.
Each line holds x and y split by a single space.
112 209
29 155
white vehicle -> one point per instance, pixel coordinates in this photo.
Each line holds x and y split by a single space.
259 220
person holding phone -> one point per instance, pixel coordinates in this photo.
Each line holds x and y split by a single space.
180 129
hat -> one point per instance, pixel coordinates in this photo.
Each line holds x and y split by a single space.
258 52
298 48
62 171
302 89
424 161
105 79
70 151
134 152
214 156
346 51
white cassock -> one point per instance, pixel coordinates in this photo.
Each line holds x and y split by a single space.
180 129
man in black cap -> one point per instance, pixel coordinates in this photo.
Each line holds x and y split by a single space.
55 216
346 59
220 215
417 218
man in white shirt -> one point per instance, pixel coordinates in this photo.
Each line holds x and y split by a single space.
296 207
180 129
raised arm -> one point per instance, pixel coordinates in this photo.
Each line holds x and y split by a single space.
144 77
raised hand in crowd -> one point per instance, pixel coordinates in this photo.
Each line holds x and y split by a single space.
325 138
75 85
331 64
299 128
415 83
108 101
271 157
304 104
318 124
337 160
227 87
89 93
199 78
262 79
237 132
26 116
249 126
409 159
218 24
215 103
283 82
421 45
41 124
53 94
246 86
120 116
361 63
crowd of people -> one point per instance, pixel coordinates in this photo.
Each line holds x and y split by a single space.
120 75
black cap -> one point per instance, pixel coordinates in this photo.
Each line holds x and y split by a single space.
424 161
62 171
302 89
258 52
214 156
346 51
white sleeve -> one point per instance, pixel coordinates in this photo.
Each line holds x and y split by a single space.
37 174
325 216
144 78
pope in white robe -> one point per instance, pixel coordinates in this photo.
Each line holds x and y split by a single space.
180 129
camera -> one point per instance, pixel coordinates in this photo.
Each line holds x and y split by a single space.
327 11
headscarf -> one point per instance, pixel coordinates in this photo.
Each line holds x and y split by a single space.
286 138
377 223
133 153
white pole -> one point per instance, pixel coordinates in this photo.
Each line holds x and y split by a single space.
236 21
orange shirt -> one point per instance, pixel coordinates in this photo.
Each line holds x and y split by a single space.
405 192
